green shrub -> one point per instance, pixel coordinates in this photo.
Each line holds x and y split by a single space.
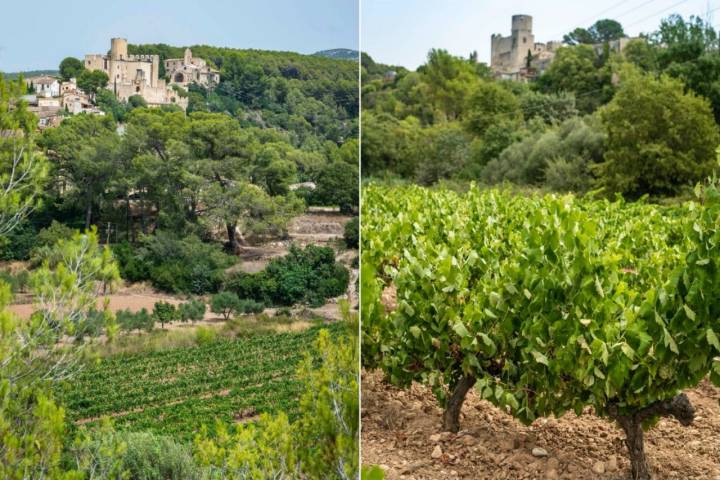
250 306
18 281
129 321
17 244
352 233
174 265
308 275
165 312
156 457
193 311
225 303
337 185
204 335
92 325
257 286
131 267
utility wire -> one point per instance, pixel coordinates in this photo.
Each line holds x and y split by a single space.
637 7
615 17
597 15
656 13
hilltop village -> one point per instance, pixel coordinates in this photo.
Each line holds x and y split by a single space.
131 78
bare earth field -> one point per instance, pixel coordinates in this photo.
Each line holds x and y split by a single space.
401 432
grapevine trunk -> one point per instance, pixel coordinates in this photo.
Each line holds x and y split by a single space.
678 407
451 416
636 448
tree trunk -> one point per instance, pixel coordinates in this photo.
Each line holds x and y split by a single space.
88 215
127 217
451 416
232 238
143 220
678 407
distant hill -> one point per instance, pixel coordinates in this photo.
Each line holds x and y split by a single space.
29 73
339 53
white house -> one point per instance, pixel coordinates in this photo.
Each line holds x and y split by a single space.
45 86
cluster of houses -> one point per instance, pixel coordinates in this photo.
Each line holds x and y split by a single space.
51 99
128 75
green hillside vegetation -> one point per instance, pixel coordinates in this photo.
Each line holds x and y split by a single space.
170 198
639 122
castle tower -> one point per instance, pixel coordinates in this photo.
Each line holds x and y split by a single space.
523 39
521 24
118 49
188 57
155 74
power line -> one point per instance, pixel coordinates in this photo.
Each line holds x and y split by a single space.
637 7
597 15
657 13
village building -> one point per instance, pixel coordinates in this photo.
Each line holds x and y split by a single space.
44 86
47 109
134 75
187 70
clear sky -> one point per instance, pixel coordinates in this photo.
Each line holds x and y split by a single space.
401 32
39 34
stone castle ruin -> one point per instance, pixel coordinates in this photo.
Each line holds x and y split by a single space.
187 70
515 56
520 57
134 75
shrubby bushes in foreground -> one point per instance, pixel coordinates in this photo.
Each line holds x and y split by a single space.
545 304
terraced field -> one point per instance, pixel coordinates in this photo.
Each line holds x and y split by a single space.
175 392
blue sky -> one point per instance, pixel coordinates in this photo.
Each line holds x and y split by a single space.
38 35
401 32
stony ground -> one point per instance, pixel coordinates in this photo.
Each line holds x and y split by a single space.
401 432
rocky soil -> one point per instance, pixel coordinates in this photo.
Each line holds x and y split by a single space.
401 432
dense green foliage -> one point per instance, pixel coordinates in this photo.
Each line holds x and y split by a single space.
600 32
174 265
547 303
137 455
165 312
659 139
310 275
140 320
637 121
351 234
226 304
71 67
192 311
313 98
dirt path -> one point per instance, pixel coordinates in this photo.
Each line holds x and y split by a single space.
401 430
121 301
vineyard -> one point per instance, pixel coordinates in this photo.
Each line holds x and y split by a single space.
175 392
543 304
